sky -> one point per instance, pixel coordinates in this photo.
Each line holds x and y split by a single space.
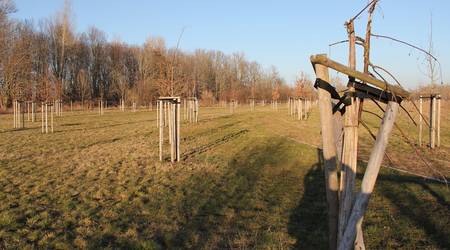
279 33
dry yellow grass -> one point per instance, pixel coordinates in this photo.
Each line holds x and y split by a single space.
248 180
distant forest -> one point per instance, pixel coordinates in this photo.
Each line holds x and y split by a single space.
49 61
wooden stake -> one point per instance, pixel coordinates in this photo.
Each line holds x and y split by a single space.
329 155
171 132
420 120
28 111
432 121
438 118
157 113
350 145
42 117
161 130
178 105
46 118
33 112
51 114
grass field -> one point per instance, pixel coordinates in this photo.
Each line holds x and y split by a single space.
247 180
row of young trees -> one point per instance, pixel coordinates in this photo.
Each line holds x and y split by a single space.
49 61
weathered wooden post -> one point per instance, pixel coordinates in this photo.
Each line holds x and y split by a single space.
196 110
432 120
177 125
420 120
166 114
33 112
300 109
42 117
157 113
28 111
174 116
438 119
169 117
51 116
161 129
329 154
61 107
101 107
14 113
21 109
46 118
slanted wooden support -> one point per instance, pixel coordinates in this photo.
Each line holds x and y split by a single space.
370 176
329 155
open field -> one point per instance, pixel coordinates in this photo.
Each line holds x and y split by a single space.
247 180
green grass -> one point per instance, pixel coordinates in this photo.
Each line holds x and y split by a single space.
249 180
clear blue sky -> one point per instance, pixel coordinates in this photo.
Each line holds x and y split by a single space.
280 33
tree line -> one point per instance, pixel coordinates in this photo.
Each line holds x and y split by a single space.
49 61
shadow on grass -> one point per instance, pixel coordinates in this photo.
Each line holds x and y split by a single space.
308 221
249 207
419 204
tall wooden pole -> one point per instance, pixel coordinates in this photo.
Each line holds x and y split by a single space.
350 145
329 156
